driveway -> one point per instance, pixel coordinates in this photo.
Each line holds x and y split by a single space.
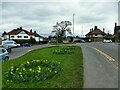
17 52
99 72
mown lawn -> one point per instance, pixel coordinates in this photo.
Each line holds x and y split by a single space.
70 76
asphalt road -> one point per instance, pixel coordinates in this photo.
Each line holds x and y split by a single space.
17 52
99 72
109 48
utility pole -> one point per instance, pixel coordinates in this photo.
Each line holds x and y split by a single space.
73 24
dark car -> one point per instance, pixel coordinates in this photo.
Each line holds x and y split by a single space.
26 44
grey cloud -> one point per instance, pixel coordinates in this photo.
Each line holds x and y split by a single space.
41 16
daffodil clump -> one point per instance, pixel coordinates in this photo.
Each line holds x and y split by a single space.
65 50
35 70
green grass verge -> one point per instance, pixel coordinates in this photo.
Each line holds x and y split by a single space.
71 75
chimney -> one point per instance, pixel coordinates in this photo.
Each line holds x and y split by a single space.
20 28
103 29
115 24
30 30
35 32
95 27
92 29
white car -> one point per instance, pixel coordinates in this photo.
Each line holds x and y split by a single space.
107 40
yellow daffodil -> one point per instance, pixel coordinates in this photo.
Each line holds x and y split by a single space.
39 71
21 64
12 69
30 69
24 69
39 68
37 60
11 72
28 62
17 69
20 73
34 60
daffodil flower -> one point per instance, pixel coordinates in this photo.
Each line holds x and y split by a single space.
39 68
39 71
30 69
20 73
12 67
28 62
24 69
11 72
37 60
17 69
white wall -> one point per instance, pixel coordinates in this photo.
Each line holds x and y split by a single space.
99 35
22 36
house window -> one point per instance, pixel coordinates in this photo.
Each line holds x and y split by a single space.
95 34
12 36
25 36
19 36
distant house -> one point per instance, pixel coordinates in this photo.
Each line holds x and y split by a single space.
21 34
117 33
95 35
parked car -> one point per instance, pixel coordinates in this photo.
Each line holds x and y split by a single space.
9 43
4 56
107 41
82 41
26 44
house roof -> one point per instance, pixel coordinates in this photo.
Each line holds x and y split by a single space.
96 31
18 30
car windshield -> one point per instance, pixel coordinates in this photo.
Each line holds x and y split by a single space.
8 42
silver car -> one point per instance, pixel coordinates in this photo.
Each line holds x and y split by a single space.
4 56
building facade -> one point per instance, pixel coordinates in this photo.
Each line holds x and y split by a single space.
21 34
96 35
117 33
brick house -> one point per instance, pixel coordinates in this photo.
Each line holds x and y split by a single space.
96 35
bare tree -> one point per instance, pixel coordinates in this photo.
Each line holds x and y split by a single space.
60 30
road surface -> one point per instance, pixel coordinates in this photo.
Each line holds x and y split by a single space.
17 52
99 71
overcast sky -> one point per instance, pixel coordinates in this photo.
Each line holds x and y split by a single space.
41 16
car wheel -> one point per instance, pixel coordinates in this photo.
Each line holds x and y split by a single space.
6 59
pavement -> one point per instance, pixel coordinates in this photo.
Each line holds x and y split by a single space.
99 72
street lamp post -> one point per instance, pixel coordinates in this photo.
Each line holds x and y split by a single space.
73 25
